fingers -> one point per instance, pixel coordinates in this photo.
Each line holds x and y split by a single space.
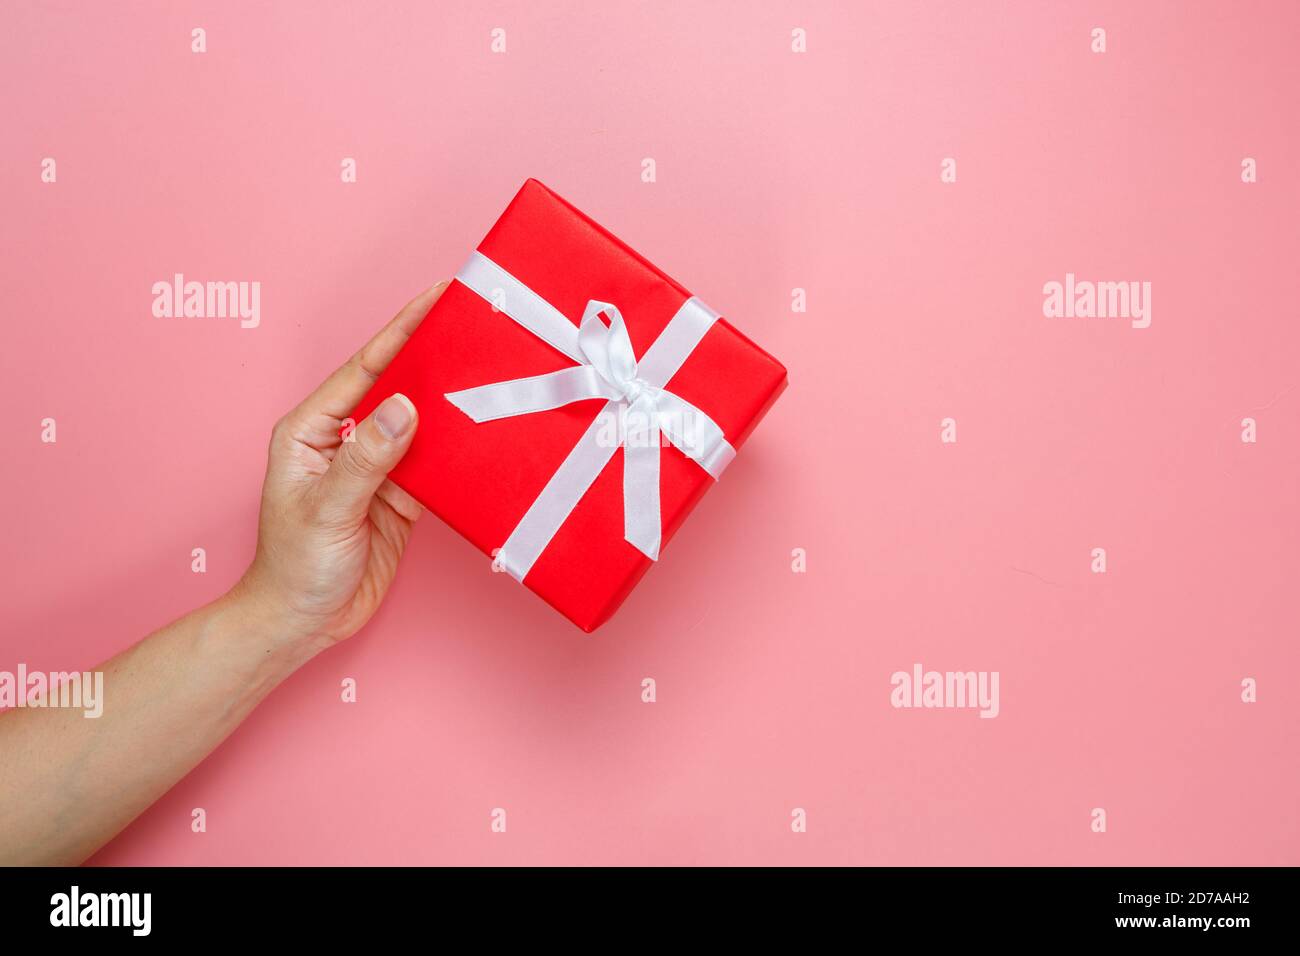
400 501
339 393
361 466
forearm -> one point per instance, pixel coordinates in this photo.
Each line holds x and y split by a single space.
69 783
331 531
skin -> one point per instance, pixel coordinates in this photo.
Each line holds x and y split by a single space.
331 531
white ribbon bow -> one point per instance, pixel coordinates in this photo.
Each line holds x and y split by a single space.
638 410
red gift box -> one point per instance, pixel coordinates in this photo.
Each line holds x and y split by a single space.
492 480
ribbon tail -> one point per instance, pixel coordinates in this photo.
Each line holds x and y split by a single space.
522 396
642 523
561 495
695 433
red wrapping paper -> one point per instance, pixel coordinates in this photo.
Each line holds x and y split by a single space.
481 478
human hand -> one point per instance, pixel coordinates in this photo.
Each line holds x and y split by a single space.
332 526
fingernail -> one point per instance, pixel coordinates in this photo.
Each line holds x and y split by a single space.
394 416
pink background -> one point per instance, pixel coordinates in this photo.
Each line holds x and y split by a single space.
776 170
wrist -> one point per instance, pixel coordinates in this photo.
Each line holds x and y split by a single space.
269 627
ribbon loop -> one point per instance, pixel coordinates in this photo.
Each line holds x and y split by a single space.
607 349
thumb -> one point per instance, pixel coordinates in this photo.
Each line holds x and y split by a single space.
377 444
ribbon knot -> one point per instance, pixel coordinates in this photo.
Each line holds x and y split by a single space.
638 408
634 389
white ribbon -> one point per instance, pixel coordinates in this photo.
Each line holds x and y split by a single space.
638 408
